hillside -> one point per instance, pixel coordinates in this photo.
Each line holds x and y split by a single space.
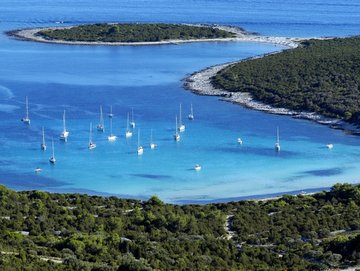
42 231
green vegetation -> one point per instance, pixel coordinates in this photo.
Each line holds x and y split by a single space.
133 33
321 76
42 231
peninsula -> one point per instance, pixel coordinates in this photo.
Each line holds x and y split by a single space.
318 80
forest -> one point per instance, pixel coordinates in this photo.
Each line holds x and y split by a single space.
133 33
49 231
321 76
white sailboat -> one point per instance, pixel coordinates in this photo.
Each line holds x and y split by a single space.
197 167
64 134
181 125
43 144
92 145
132 122
111 113
52 159
277 144
100 127
128 132
176 135
26 119
191 115
111 137
152 144
140 149
239 141
330 146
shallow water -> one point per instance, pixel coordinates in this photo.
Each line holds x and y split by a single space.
148 79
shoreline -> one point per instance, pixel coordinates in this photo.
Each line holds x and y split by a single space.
199 83
30 34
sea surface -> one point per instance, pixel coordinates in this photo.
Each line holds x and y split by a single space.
148 80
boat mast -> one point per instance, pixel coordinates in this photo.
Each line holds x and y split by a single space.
27 107
52 145
277 136
43 136
101 117
64 122
90 136
138 138
180 120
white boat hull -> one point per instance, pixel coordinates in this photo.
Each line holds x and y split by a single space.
112 137
140 151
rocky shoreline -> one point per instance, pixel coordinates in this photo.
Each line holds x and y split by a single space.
199 83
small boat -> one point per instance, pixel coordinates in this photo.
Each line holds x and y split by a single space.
140 149
329 146
43 144
111 137
191 115
52 159
38 170
152 144
197 167
181 127
132 122
92 145
26 119
176 135
64 134
111 113
277 144
239 141
128 132
100 127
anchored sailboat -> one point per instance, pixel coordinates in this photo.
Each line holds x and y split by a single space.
140 149
26 119
191 115
100 127
64 134
111 113
181 125
43 144
92 145
128 132
132 122
52 159
277 144
152 144
176 135
111 137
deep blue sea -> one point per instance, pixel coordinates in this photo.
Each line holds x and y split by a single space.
147 79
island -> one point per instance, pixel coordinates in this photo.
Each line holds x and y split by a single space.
120 34
51 231
317 80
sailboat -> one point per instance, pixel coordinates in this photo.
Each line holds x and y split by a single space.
43 144
26 119
100 127
140 149
191 115
64 134
128 132
197 167
152 144
92 145
181 125
239 141
111 113
176 135
277 144
132 122
111 137
52 159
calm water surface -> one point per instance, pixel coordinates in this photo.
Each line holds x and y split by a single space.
148 79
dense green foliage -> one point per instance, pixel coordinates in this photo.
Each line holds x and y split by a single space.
134 33
42 231
321 76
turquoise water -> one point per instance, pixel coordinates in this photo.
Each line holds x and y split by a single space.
148 79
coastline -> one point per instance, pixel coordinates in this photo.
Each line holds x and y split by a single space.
30 34
199 83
